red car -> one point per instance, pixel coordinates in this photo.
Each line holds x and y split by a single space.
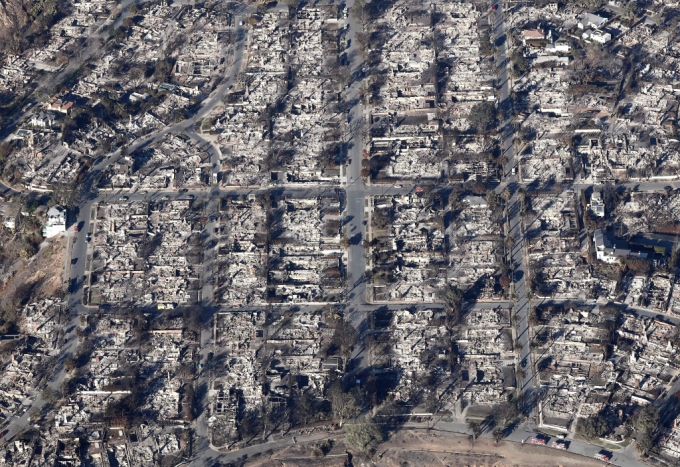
494 7
603 456
559 444
538 440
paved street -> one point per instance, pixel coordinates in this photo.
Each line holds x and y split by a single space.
516 232
355 190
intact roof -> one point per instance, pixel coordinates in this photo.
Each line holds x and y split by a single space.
603 241
594 19
475 201
533 34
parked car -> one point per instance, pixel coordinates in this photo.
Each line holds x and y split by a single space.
538 439
559 444
603 456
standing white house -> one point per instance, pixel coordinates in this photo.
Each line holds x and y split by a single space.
55 223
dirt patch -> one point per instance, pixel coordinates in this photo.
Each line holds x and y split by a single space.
443 449
415 449
35 278
301 455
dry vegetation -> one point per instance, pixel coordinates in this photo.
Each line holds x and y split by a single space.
28 280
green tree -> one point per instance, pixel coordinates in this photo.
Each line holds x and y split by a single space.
674 262
505 413
592 427
630 10
482 116
453 297
306 409
520 65
493 201
49 395
251 424
363 434
475 427
647 419
361 11
344 405
453 302
644 444
588 4
69 364
164 68
344 338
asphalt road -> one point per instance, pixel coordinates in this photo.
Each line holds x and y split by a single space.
212 211
355 190
522 303
8 190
